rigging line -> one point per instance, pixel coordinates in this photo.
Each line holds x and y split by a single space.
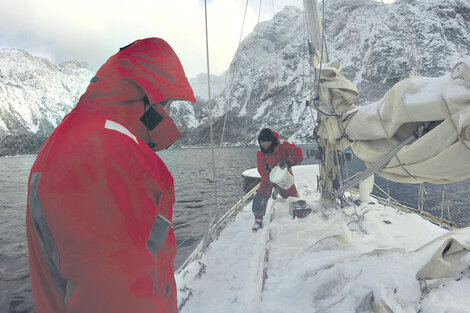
413 61
390 197
226 104
223 130
310 75
187 237
257 27
322 50
347 178
211 119
311 68
392 147
275 47
323 29
259 17
243 23
321 57
304 27
452 122
411 38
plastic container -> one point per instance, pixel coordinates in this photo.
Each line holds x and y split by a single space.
281 177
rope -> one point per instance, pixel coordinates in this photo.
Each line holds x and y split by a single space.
411 38
211 119
259 17
311 67
414 61
391 146
323 29
243 23
226 104
322 43
453 124
187 237
275 48
304 28
387 194
323 50
311 78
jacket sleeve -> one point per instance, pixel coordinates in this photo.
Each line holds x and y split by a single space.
261 164
295 155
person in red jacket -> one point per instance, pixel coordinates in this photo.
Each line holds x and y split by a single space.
99 215
272 152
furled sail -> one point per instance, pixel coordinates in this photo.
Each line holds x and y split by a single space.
442 104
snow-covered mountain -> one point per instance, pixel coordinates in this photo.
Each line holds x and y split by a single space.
34 97
269 78
376 44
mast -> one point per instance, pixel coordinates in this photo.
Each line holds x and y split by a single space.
328 173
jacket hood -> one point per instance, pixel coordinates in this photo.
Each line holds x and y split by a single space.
267 134
130 85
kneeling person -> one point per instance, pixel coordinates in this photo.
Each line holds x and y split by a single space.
273 152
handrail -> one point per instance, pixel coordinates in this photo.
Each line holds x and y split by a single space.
232 210
407 209
430 218
215 227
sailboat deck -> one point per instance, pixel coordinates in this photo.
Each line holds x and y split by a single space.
359 259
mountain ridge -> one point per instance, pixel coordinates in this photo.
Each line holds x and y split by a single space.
269 78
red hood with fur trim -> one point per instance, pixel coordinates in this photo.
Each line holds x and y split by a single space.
132 82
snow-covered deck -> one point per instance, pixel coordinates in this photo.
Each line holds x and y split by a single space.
360 259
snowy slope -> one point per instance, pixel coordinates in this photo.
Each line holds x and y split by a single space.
364 258
36 94
269 77
376 44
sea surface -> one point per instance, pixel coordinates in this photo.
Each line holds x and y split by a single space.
195 202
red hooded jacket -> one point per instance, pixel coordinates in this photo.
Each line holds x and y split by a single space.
284 151
100 200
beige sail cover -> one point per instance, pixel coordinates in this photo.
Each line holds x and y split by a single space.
440 156
451 259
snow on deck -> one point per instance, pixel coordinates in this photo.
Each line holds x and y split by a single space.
361 259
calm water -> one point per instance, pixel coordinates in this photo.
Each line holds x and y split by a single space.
457 195
192 170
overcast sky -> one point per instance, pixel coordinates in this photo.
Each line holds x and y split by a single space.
93 30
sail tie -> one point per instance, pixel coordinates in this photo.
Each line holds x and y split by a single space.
459 137
392 147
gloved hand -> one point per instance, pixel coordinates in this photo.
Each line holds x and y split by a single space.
284 164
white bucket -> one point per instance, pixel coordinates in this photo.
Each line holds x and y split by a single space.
281 177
